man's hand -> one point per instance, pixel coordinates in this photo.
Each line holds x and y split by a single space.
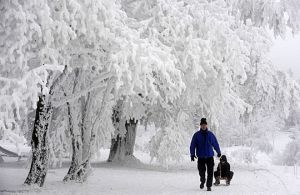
192 158
219 155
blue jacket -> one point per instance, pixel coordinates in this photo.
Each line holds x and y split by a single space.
204 141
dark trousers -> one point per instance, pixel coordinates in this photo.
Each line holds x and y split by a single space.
228 176
203 164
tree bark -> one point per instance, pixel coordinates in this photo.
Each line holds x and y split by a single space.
76 148
83 135
122 147
81 146
39 143
39 140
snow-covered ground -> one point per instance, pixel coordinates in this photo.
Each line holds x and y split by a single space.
261 177
112 179
151 179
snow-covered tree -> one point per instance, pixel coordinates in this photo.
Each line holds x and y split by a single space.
28 57
221 55
42 42
276 15
203 38
104 53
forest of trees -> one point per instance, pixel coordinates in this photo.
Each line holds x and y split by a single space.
76 76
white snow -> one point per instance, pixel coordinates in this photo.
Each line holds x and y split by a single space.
144 178
19 148
260 176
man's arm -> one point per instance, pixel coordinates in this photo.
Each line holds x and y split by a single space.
215 144
193 145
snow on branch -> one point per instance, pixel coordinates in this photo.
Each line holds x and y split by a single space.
99 84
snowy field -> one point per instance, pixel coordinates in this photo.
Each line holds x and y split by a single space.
151 179
261 177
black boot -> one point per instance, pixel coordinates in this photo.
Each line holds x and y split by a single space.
227 182
201 185
208 188
217 182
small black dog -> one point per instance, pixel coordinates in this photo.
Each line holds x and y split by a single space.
223 171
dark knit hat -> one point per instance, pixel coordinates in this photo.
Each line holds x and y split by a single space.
203 121
223 158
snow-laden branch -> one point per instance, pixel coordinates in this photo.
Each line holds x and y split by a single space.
98 84
107 91
59 80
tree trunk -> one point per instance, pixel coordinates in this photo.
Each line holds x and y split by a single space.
83 134
86 129
81 144
130 126
76 148
39 140
39 143
122 147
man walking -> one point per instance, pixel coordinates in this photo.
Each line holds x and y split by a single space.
204 141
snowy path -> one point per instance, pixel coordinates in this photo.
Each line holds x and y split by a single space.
120 180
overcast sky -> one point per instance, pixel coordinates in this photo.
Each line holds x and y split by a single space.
285 54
